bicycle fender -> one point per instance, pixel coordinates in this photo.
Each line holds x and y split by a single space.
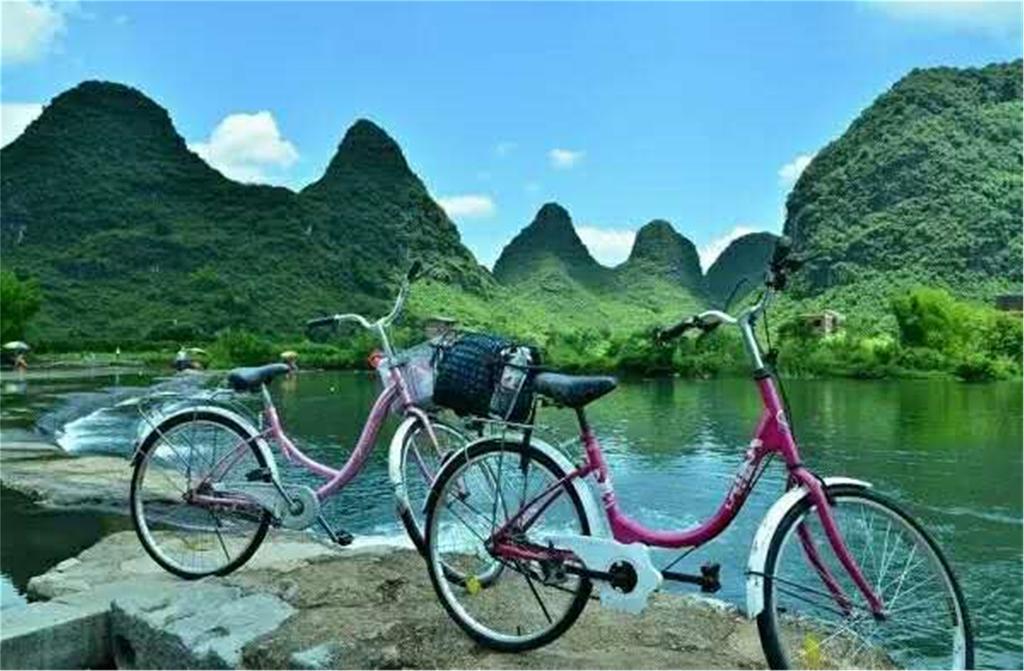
763 537
395 461
240 420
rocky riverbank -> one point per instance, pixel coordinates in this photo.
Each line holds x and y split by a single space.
301 603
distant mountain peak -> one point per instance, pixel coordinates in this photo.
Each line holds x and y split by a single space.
367 149
108 113
553 220
655 240
550 236
663 250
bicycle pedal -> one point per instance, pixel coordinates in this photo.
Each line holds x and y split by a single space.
709 574
258 475
343 537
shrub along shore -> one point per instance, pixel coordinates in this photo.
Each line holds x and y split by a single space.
934 335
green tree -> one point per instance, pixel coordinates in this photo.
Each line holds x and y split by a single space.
930 318
19 302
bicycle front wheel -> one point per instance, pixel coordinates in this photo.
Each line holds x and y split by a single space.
814 616
422 453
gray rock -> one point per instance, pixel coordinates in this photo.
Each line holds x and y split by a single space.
54 635
318 657
204 627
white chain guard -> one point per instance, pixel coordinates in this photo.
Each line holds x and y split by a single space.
267 496
599 554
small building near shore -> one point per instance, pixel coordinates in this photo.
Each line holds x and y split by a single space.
1010 302
825 322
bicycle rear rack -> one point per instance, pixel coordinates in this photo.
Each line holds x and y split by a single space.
154 408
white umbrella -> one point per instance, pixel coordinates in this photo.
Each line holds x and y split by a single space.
16 346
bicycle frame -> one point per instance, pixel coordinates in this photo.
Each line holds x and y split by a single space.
772 436
397 391
336 479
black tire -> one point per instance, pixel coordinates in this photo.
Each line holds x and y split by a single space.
139 470
767 623
524 453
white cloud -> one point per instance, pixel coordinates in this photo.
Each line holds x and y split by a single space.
15 118
709 252
504 148
30 29
471 206
789 173
563 159
965 15
608 245
248 148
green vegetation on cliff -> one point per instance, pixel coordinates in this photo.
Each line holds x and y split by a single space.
133 238
133 241
924 188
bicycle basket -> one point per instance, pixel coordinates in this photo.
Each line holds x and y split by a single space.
485 375
418 372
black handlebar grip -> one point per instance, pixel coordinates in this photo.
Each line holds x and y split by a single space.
414 271
320 321
666 334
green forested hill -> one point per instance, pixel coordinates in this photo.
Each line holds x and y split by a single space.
745 258
133 239
660 252
377 215
550 247
132 236
923 188
547 269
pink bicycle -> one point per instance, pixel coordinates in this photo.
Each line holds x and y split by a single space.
837 577
206 487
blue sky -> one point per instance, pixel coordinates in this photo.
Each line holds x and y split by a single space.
699 113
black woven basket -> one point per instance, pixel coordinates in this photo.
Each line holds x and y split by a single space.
468 373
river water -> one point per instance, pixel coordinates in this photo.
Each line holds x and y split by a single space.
949 452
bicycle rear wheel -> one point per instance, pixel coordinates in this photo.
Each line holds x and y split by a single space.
803 625
531 601
185 527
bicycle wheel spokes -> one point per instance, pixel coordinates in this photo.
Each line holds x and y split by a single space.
191 528
530 596
824 621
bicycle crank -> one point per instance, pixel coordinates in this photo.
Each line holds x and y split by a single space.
293 506
625 575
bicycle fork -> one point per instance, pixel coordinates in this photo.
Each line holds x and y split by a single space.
819 497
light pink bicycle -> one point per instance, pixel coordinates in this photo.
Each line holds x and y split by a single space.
837 577
206 487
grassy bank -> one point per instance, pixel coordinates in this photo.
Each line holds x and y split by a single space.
934 335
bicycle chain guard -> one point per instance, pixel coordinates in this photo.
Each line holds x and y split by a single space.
610 556
300 514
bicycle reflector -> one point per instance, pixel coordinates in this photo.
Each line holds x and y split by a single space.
376 356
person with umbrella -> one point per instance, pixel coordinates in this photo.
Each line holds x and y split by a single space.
18 349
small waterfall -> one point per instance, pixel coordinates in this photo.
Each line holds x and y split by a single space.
105 421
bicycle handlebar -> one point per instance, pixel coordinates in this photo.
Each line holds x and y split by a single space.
384 321
779 266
